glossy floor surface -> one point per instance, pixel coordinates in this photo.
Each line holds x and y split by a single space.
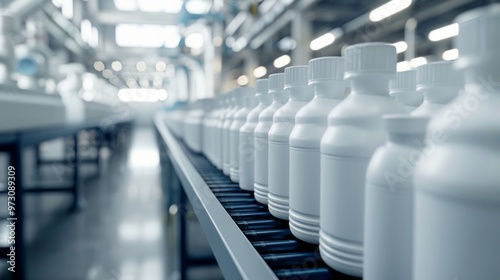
123 233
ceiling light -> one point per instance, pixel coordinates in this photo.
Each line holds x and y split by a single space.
116 66
94 37
287 44
403 66
322 41
162 95
388 9
106 73
282 61
67 9
194 41
259 72
86 30
198 7
401 46
450 54
141 66
242 80
418 61
444 32
161 66
99 65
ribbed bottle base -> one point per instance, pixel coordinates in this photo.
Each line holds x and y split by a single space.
304 227
260 193
278 206
234 174
341 255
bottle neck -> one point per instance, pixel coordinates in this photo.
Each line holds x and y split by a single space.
280 96
440 94
300 93
411 139
264 99
330 89
370 84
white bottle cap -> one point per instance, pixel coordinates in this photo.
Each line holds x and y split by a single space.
262 86
405 81
296 76
478 42
438 73
326 69
276 82
376 58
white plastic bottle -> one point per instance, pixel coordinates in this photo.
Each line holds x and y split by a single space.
193 130
280 97
354 132
239 119
404 89
457 200
237 101
208 123
326 76
388 233
246 147
229 106
217 130
296 82
439 83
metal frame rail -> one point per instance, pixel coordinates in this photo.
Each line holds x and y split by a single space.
13 143
248 242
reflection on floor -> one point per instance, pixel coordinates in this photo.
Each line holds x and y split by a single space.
120 235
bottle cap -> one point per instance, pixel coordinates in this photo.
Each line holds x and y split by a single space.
405 81
262 86
296 76
378 58
438 73
326 69
276 82
478 41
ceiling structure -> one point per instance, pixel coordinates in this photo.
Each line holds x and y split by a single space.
137 43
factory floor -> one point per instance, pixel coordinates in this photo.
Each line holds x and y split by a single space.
123 232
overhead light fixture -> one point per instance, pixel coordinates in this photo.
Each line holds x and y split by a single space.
99 65
401 46
444 32
106 73
287 44
242 80
322 41
260 72
86 30
116 66
94 37
161 66
450 54
198 7
194 41
67 9
388 9
282 61
217 41
141 66
418 61
240 44
403 66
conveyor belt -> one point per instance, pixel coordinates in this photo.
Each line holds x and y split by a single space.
287 256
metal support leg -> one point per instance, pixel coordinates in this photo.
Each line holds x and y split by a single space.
183 236
78 202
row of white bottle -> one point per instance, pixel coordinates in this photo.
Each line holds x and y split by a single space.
385 195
